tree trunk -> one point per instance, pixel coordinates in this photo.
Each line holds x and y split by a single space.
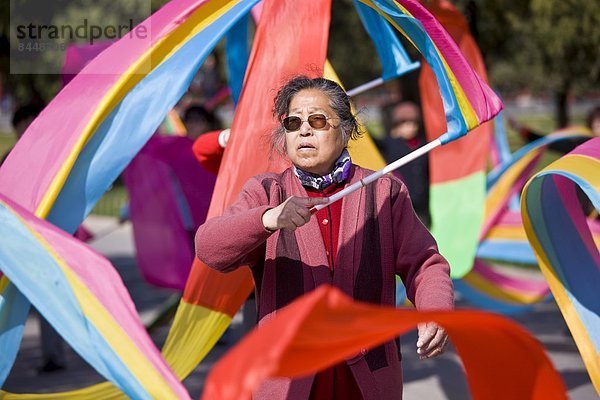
562 108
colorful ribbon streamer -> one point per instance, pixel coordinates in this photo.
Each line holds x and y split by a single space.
501 360
503 237
392 55
563 244
75 148
169 196
90 307
456 171
81 130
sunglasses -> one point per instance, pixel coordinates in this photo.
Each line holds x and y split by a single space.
316 121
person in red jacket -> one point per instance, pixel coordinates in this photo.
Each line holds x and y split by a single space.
209 149
358 244
209 139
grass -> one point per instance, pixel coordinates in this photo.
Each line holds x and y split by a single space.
112 202
7 141
544 124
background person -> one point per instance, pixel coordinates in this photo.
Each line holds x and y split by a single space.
404 134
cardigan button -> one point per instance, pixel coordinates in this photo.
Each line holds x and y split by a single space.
325 221
363 351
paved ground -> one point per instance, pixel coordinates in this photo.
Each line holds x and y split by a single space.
441 378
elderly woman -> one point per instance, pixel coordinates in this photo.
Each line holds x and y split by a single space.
358 244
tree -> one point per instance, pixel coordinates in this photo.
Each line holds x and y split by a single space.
542 45
567 42
34 73
350 49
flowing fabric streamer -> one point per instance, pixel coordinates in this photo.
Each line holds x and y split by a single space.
325 327
556 227
503 237
80 131
467 100
237 52
169 196
392 55
90 307
456 171
74 150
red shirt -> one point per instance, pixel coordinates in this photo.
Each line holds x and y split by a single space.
329 221
336 382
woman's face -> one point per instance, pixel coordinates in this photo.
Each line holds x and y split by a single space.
314 150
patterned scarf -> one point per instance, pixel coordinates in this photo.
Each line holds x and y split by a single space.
340 172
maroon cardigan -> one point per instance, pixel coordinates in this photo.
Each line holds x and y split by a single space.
380 237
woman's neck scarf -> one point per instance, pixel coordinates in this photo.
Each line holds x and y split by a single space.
340 172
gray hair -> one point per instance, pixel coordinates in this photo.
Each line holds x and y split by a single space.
339 101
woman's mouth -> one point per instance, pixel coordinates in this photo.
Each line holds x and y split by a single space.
306 146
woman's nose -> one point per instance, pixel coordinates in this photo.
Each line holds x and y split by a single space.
305 129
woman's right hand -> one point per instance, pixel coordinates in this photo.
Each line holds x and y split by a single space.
292 213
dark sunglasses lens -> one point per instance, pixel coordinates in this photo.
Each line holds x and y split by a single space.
317 121
292 123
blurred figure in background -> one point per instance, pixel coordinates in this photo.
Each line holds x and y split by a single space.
7 105
23 117
207 89
404 134
198 120
209 137
593 120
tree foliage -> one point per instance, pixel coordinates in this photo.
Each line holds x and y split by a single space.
350 49
547 45
35 75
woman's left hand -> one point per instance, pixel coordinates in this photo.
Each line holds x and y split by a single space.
432 340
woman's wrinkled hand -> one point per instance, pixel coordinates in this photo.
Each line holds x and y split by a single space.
432 340
292 213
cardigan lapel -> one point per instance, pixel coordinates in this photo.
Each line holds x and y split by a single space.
309 237
350 240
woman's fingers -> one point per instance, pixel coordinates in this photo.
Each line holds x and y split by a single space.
304 213
292 213
426 332
297 220
296 211
436 346
432 340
